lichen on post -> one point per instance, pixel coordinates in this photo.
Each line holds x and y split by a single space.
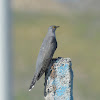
59 80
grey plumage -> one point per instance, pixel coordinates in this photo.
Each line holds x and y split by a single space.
47 50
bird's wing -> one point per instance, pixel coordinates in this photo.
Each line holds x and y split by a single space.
46 53
47 50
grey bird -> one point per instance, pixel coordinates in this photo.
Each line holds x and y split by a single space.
45 55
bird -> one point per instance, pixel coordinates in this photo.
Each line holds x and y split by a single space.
45 55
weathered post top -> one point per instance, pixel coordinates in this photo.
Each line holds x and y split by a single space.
59 80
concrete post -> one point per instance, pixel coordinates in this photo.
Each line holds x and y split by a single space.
59 80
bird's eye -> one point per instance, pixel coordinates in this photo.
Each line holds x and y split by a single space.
54 26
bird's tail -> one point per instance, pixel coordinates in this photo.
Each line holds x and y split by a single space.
33 82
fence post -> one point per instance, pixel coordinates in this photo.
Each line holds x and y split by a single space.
59 80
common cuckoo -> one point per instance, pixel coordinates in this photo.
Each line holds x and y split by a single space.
45 55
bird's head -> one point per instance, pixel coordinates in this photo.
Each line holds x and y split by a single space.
53 28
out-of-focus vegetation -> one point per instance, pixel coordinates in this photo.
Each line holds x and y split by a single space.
78 38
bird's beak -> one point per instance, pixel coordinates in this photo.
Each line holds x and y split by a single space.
57 26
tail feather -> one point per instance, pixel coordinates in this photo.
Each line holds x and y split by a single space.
33 83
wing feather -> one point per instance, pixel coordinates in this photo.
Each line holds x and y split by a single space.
45 55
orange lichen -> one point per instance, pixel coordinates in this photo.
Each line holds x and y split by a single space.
53 72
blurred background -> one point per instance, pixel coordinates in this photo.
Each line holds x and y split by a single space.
78 38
